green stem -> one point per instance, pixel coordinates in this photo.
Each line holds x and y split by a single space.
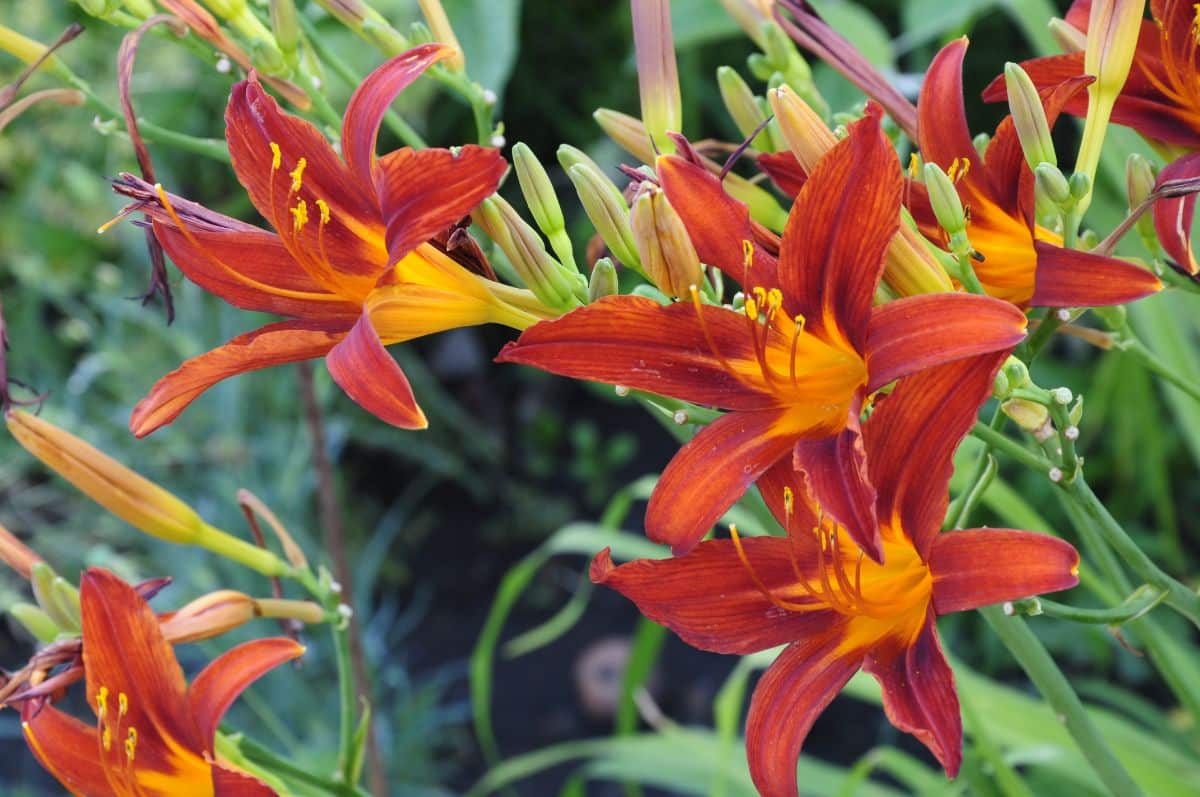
1037 663
1141 601
1153 363
1179 597
346 701
1046 328
1001 442
263 756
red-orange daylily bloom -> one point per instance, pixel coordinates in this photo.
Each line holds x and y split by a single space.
838 611
795 366
154 733
1023 262
350 261
1161 95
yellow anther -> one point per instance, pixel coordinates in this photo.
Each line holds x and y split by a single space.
131 740
774 299
914 166
102 701
323 206
299 215
1195 21
122 704
800 322
751 309
958 169
106 739
747 253
297 174
276 156
789 500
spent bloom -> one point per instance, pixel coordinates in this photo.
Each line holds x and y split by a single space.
838 611
795 365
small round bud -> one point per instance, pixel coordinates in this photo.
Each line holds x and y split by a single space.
680 417
1071 433
1062 395
621 390
1055 475
1063 314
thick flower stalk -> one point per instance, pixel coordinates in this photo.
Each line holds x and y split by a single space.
796 364
1022 262
153 735
351 262
837 610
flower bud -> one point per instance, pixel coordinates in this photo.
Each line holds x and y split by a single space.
35 621
603 281
807 135
981 142
58 599
101 9
743 107
286 27
667 253
1029 415
629 133
1017 372
1052 183
658 78
208 616
750 16
29 51
142 9
443 33
1029 117
368 23
606 208
1069 38
1080 185
543 202
1139 179
943 196
17 554
541 273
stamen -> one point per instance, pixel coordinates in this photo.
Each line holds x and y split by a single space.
297 175
775 600
102 702
323 207
131 740
122 704
108 225
276 157
839 571
747 260
299 216
958 169
106 739
914 166
708 338
797 331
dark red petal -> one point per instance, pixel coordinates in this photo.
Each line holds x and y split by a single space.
717 223
919 695
66 748
250 269
363 368
350 253
228 783
837 232
638 343
979 567
709 599
1045 73
226 677
125 653
1070 278
371 100
712 472
784 170
789 697
274 344
914 333
942 116
422 192
1173 216
912 435
837 473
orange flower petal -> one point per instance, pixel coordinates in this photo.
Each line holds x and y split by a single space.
422 192
638 343
228 783
911 438
226 677
66 748
1173 216
274 344
784 170
709 599
942 129
919 695
363 368
917 332
837 232
789 697
713 471
1070 278
370 102
979 567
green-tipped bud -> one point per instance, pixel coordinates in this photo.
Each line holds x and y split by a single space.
658 77
142 9
603 281
60 604
981 142
760 66
1029 117
1139 179
943 196
783 55
542 201
540 272
628 133
749 15
743 107
1017 372
101 9
569 156
1080 184
607 210
1001 387
1069 38
1052 183
1029 415
668 256
35 621
286 27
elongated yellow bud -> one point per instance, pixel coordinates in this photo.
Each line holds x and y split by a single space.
629 133
658 77
807 135
443 33
224 610
1029 117
667 253
606 208
16 554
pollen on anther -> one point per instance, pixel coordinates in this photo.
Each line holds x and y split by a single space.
297 174
299 215
122 704
276 156
102 701
131 740
323 207
789 500
106 738
747 253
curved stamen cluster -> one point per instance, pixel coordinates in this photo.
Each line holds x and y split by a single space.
299 213
1181 80
112 730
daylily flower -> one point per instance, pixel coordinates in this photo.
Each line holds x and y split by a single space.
1023 262
795 366
1161 95
350 262
838 611
154 733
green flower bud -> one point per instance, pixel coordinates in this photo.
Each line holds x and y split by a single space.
541 273
1029 117
743 107
1081 185
603 281
760 66
286 27
35 621
609 214
1139 179
1052 183
943 196
628 132
56 602
981 143
1017 372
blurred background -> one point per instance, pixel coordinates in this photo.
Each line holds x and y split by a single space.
435 521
